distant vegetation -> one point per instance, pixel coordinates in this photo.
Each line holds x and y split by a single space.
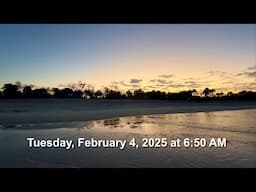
81 90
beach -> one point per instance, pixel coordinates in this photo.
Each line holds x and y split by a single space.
124 120
24 111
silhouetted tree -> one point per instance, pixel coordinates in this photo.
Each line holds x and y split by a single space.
88 93
78 94
212 92
111 94
67 93
106 90
207 92
18 84
40 93
247 95
155 95
78 91
230 94
27 92
56 92
77 86
219 94
98 94
241 93
11 91
184 95
139 94
129 94
194 92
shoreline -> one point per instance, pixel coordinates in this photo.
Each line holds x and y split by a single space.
43 112
236 125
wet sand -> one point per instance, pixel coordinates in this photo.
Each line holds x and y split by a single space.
237 126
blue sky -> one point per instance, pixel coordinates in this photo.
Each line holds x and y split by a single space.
49 55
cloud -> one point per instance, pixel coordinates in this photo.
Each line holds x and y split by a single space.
239 74
244 86
161 81
251 72
211 72
228 82
176 85
190 79
219 73
151 87
135 86
252 68
159 85
166 76
165 84
135 81
192 84
124 84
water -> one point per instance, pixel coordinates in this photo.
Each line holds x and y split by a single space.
237 126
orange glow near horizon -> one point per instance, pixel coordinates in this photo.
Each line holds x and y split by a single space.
151 57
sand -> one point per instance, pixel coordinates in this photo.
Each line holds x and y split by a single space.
23 111
237 126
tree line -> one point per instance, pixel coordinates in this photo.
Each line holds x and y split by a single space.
11 91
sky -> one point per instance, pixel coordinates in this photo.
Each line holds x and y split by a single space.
170 57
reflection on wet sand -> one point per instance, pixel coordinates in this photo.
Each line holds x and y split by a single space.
226 121
237 126
115 122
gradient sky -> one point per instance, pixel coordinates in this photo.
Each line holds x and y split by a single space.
165 57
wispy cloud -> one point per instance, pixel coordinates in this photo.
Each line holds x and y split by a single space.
152 87
193 84
176 85
251 72
252 68
161 81
219 73
166 76
135 81
220 80
239 74
164 81
244 86
121 83
228 82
